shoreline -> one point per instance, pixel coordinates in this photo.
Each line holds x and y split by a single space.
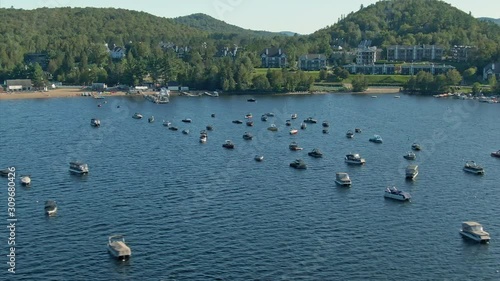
72 93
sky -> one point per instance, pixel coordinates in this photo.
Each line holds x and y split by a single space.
300 16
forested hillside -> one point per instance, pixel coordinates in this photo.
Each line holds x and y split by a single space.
414 22
212 25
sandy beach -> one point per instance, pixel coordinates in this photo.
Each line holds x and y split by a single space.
57 93
68 93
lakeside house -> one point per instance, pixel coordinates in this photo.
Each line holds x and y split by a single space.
117 53
312 62
366 53
414 53
371 69
18 85
274 58
435 69
491 69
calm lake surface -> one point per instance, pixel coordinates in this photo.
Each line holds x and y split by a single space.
192 211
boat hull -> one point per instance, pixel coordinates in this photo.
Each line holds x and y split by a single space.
398 197
343 183
474 171
477 238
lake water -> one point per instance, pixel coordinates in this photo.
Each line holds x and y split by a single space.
192 211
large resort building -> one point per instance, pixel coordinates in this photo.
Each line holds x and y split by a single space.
414 53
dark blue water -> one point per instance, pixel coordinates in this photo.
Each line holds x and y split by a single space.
192 211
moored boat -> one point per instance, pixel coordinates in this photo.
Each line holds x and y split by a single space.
410 155
411 171
249 123
263 118
259 158
26 180
376 139
95 122
185 132
349 134
343 179
325 131
209 128
293 146
288 123
294 116
173 128
354 159
474 168
474 231
4 172
394 193
299 164
303 126
357 130
137 116
50 207
496 153
248 115
272 128
151 119
228 144
251 100
118 248
247 136
416 147
166 123
316 153
77 167
293 131
187 120
237 122
310 120
325 124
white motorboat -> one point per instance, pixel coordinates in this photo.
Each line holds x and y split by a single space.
259 158
474 231
137 116
376 139
78 168
166 123
394 193
349 134
294 146
272 128
293 131
26 180
151 119
474 168
118 248
95 122
416 146
203 136
316 153
294 116
228 144
50 207
343 179
354 159
410 155
299 164
411 171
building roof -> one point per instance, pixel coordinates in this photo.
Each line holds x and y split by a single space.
18 82
273 52
492 68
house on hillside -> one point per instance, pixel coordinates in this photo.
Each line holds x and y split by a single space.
41 59
18 85
312 62
117 53
227 52
491 69
462 53
274 58
435 69
415 53
366 53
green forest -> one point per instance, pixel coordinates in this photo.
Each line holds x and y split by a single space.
76 42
